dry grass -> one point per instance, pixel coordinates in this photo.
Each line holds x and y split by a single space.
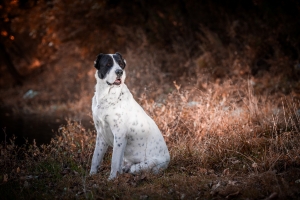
226 142
217 131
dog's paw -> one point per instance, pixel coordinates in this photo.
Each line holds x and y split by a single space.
126 168
114 175
110 178
93 172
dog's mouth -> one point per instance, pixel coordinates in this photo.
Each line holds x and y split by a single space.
117 81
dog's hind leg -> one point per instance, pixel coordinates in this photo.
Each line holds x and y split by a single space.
126 166
100 149
154 166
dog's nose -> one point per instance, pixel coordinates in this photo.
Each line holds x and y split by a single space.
119 72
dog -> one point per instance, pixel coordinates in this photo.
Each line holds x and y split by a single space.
121 122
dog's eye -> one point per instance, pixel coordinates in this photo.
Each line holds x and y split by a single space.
121 64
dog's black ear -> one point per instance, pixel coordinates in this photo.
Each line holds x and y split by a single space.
96 62
119 54
123 60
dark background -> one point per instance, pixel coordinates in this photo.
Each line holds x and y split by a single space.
269 27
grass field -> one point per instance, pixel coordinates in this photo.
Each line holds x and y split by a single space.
221 146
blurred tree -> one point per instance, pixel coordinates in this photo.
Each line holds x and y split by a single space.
264 26
7 37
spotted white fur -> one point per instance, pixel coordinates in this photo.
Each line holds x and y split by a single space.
120 121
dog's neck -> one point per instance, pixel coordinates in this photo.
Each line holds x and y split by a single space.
111 92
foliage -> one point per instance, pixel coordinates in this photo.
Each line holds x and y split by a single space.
218 149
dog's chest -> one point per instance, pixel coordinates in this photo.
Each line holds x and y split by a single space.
110 104
109 113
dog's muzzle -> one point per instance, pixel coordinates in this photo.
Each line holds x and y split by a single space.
118 80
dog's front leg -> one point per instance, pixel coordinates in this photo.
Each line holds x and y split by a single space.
120 142
100 149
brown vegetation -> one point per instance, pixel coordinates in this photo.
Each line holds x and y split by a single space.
220 80
217 150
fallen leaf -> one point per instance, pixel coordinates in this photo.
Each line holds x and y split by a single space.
182 168
232 182
254 165
235 162
226 172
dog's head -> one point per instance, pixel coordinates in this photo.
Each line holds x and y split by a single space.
111 68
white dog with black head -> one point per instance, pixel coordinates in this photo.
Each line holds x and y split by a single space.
121 122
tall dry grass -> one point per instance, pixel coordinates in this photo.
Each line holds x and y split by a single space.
221 140
229 127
